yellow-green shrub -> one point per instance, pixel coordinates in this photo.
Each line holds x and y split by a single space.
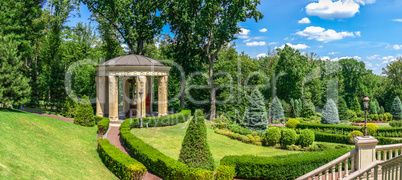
354 134
371 128
292 123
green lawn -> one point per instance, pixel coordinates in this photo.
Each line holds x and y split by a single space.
47 111
37 147
168 140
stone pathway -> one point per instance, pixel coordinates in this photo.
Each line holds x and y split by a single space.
113 135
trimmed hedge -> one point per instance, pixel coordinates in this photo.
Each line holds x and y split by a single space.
334 138
236 128
346 129
225 172
121 164
162 121
280 167
103 125
160 164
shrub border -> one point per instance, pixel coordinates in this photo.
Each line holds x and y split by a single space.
162 121
103 125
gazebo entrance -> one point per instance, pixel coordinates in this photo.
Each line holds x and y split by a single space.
134 69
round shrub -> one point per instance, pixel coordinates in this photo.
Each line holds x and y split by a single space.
292 123
381 117
288 137
221 122
273 136
84 115
371 128
354 134
388 116
306 138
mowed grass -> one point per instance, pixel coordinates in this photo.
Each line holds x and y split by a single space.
37 147
168 140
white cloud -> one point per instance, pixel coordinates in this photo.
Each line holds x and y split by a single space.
373 57
243 34
256 43
304 21
296 46
263 30
320 46
272 43
354 57
327 9
397 20
387 59
332 53
368 64
320 34
325 58
397 47
358 33
261 55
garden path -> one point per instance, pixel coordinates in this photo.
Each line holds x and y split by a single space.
113 136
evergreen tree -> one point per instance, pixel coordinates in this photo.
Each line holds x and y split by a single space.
296 107
306 112
85 114
396 109
255 116
14 88
69 108
277 110
195 150
330 113
343 109
355 105
382 111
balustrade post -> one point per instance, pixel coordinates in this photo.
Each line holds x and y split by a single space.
384 158
379 155
327 174
340 171
333 172
346 167
390 154
376 172
396 152
366 150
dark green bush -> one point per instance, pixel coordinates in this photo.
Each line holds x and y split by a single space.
225 173
351 115
103 125
280 167
236 128
334 138
288 137
97 119
161 121
273 136
195 150
162 165
84 115
121 164
395 123
69 107
306 138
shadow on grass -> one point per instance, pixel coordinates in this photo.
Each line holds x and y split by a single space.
11 110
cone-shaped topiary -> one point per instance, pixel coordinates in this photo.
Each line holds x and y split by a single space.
343 109
194 149
330 113
277 110
396 109
355 105
255 116
69 108
85 114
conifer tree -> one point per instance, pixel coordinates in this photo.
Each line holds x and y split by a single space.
69 108
297 106
255 116
330 113
343 109
355 105
382 111
195 150
85 114
277 110
396 109
14 87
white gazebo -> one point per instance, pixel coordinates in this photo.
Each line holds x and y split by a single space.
130 66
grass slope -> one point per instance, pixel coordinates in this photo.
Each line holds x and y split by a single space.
168 140
37 147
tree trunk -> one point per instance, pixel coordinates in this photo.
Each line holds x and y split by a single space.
212 88
183 87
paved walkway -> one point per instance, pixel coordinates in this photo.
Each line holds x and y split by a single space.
113 135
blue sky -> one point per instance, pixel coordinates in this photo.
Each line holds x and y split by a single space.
367 30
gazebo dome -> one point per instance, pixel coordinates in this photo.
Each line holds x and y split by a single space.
132 60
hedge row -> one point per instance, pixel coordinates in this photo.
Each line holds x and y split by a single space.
280 167
346 129
161 121
343 139
103 125
160 164
121 164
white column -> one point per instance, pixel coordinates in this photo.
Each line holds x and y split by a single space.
150 90
162 96
365 146
126 94
141 83
113 98
100 95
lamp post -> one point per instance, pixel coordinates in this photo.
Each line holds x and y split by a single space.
141 108
365 103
